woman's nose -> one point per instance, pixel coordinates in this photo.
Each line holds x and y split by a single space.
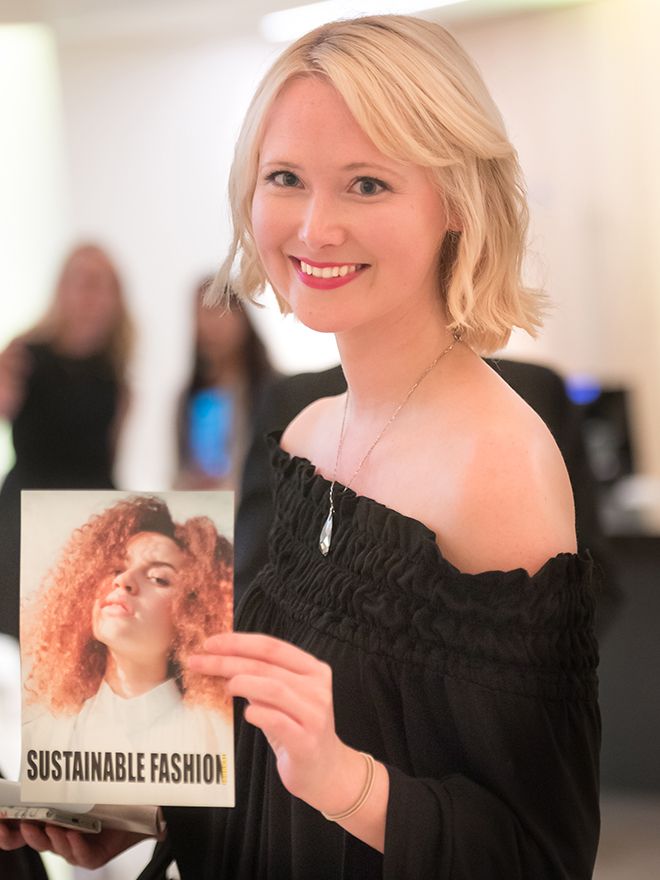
126 581
322 224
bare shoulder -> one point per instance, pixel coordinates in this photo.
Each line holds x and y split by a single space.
308 435
515 507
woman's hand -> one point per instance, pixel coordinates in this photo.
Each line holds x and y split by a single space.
83 850
289 693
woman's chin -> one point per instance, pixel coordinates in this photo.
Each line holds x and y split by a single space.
315 309
323 318
320 326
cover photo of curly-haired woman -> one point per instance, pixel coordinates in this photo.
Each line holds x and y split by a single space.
118 590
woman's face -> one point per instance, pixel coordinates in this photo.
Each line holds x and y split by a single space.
88 298
221 335
133 613
329 203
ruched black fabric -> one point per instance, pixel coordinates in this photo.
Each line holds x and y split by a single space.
478 692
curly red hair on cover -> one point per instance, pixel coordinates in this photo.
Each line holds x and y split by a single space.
67 662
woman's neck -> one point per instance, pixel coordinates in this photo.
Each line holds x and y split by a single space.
383 361
79 345
221 370
128 677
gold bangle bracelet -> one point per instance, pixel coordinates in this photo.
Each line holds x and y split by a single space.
362 797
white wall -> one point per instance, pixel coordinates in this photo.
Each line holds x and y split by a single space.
577 88
33 193
150 127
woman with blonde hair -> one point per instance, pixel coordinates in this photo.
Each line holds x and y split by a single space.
417 658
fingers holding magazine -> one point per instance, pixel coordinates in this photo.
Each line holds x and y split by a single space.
79 849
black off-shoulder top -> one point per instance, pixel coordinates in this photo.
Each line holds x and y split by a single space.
477 692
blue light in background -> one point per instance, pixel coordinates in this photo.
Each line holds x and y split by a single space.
583 390
209 422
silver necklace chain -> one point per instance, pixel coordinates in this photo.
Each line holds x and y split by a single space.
325 538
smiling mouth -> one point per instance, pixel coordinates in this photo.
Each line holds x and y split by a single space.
333 270
327 276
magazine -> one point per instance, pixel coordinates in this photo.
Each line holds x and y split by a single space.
117 590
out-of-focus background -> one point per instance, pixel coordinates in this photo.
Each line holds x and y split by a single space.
117 125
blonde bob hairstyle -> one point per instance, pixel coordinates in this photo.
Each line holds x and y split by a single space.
420 99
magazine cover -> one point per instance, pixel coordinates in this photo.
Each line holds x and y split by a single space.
117 590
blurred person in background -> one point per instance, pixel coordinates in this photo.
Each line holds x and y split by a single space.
63 388
230 368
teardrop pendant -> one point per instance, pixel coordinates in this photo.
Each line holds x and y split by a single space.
326 535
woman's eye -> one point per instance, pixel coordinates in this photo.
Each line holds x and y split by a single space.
160 581
283 178
369 186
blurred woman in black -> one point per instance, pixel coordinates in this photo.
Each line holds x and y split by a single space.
62 387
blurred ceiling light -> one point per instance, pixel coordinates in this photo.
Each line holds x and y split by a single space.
289 24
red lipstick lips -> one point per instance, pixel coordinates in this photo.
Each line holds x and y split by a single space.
327 283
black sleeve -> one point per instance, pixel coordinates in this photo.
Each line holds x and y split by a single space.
22 864
161 860
526 807
189 830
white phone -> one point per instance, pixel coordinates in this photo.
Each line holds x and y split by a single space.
53 815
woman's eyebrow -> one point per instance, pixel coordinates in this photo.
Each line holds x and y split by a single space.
371 166
154 562
281 163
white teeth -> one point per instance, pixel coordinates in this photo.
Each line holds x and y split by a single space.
329 271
